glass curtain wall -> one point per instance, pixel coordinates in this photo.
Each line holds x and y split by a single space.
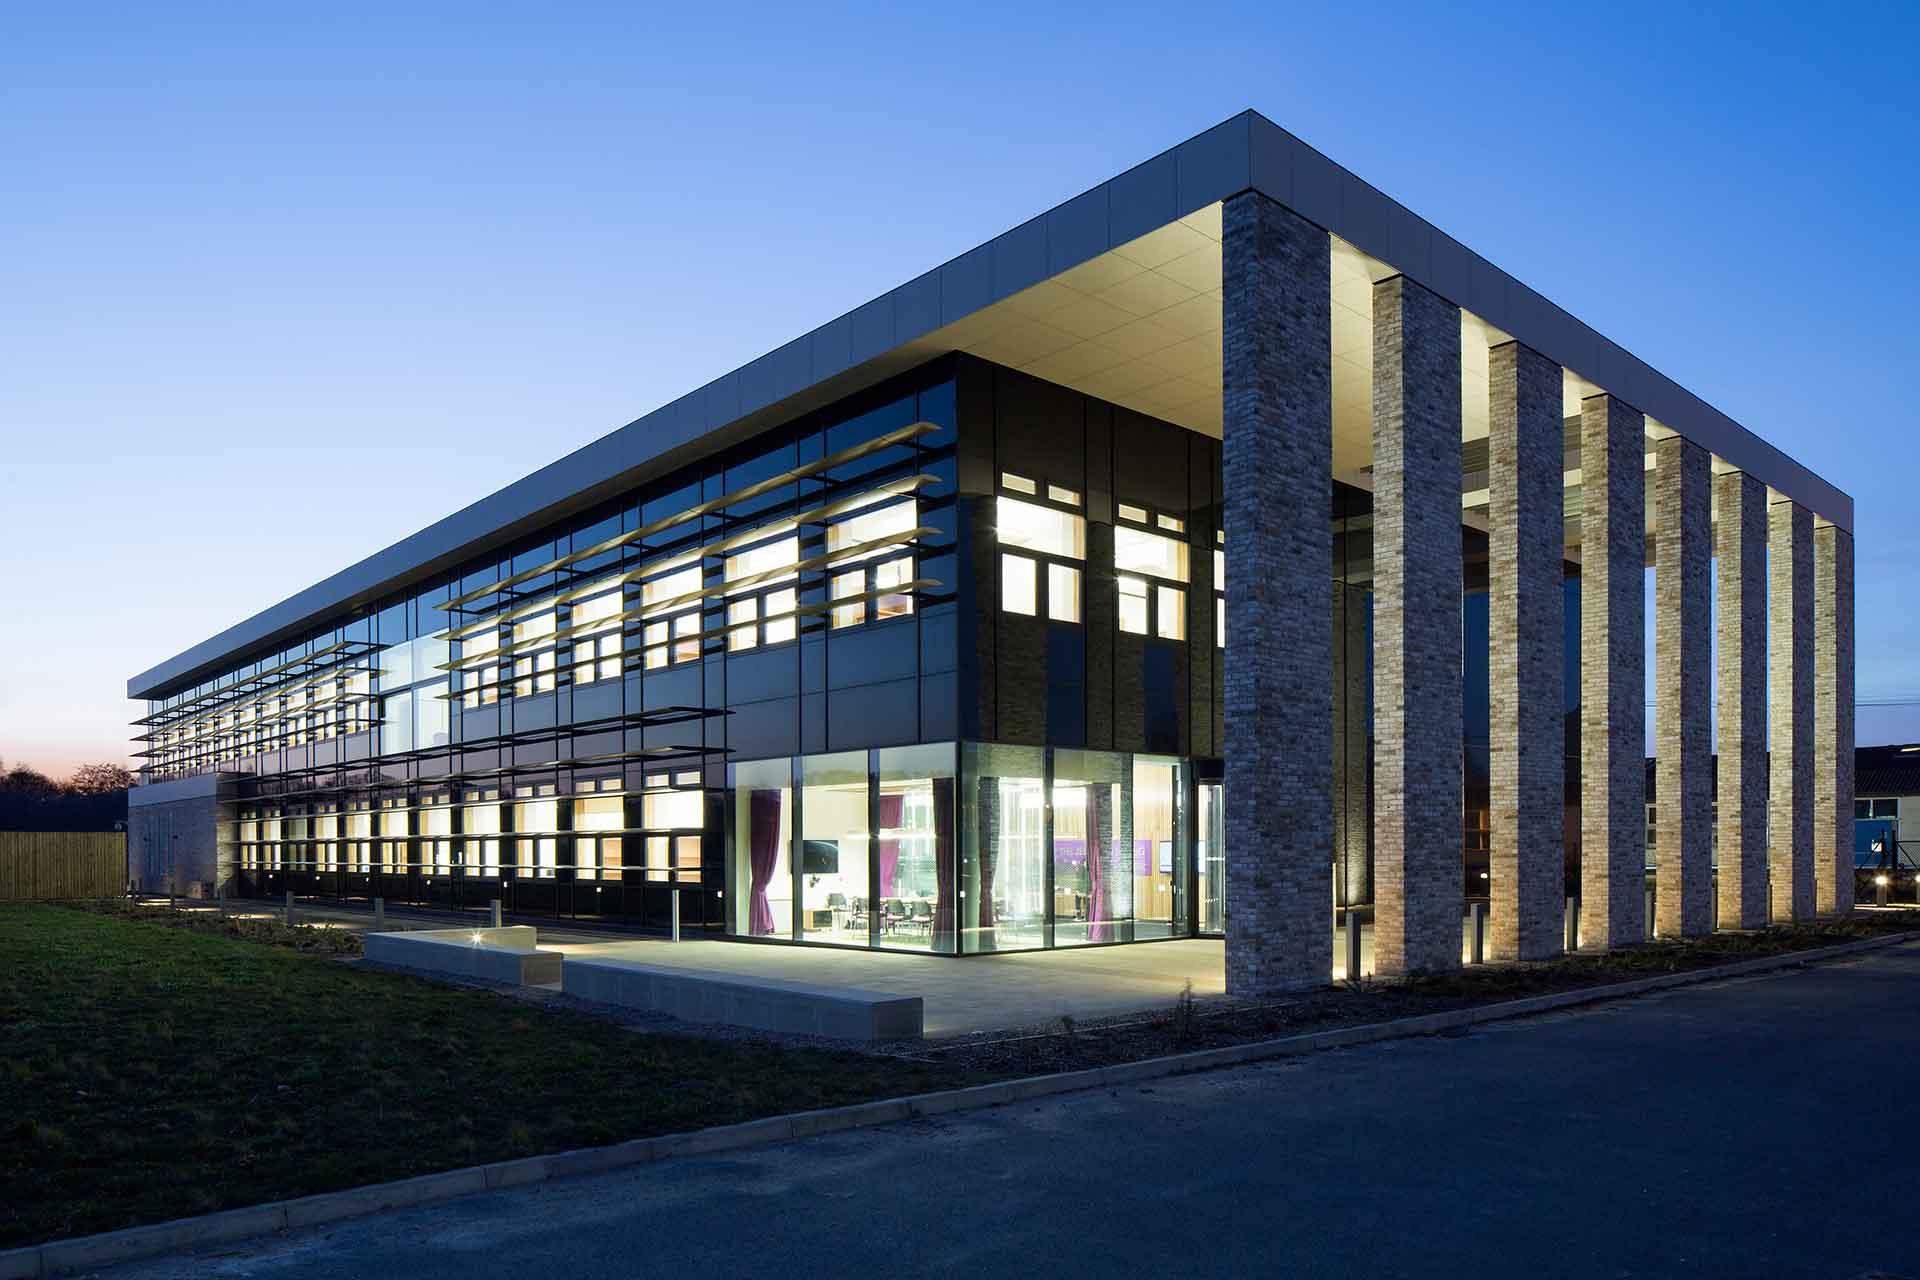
1092 839
760 873
1016 848
1159 865
914 870
1005 865
836 903
1210 856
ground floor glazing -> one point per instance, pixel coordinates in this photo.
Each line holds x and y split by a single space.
972 847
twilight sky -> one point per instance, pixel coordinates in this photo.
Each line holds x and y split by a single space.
278 289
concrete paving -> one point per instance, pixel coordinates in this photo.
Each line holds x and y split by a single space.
962 996
1734 1129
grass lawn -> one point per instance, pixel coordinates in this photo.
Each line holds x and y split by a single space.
152 1072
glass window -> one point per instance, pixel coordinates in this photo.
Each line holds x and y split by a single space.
845 585
673 809
538 822
599 813
1071 497
480 824
1171 606
760 868
762 564
1211 848
1063 593
1128 512
1170 524
743 617
436 823
915 848
535 672
588 616
479 678
781 625
686 637
889 524
1093 878
1042 529
1137 551
431 654
672 586
396 724
396 666
890 577
430 715
1019 484
836 904
393 832
597 637
1003 855
1018 588
596 855
659 652
530 630
1133 605
1158 867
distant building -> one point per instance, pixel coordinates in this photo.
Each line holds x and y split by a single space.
1886 807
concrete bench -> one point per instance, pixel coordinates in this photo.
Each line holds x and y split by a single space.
492 955
744 1000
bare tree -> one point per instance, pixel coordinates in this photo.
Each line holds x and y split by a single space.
99 779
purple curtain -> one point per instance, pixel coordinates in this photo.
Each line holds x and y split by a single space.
890 810
943 868
763 852
1098 930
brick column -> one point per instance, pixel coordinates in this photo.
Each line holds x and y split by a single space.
1277 459
1350 742
1416 629
1683 639
1740 543
1790 710
1526 608
1832 720
1613 770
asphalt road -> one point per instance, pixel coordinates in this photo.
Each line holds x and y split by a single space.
1739 1129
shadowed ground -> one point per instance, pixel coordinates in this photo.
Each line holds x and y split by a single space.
1738 1129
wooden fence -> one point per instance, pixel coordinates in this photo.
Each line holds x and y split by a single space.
62 864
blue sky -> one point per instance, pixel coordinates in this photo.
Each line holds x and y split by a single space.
277 288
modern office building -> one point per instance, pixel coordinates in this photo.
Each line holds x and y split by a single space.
1219 550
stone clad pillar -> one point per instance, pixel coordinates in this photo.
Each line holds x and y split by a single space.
1790 710
1354 885
1277 458
1613 771
1683 639
1740 543
1832 720
1417 815
1526 618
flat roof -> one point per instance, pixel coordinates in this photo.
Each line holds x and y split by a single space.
873 341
